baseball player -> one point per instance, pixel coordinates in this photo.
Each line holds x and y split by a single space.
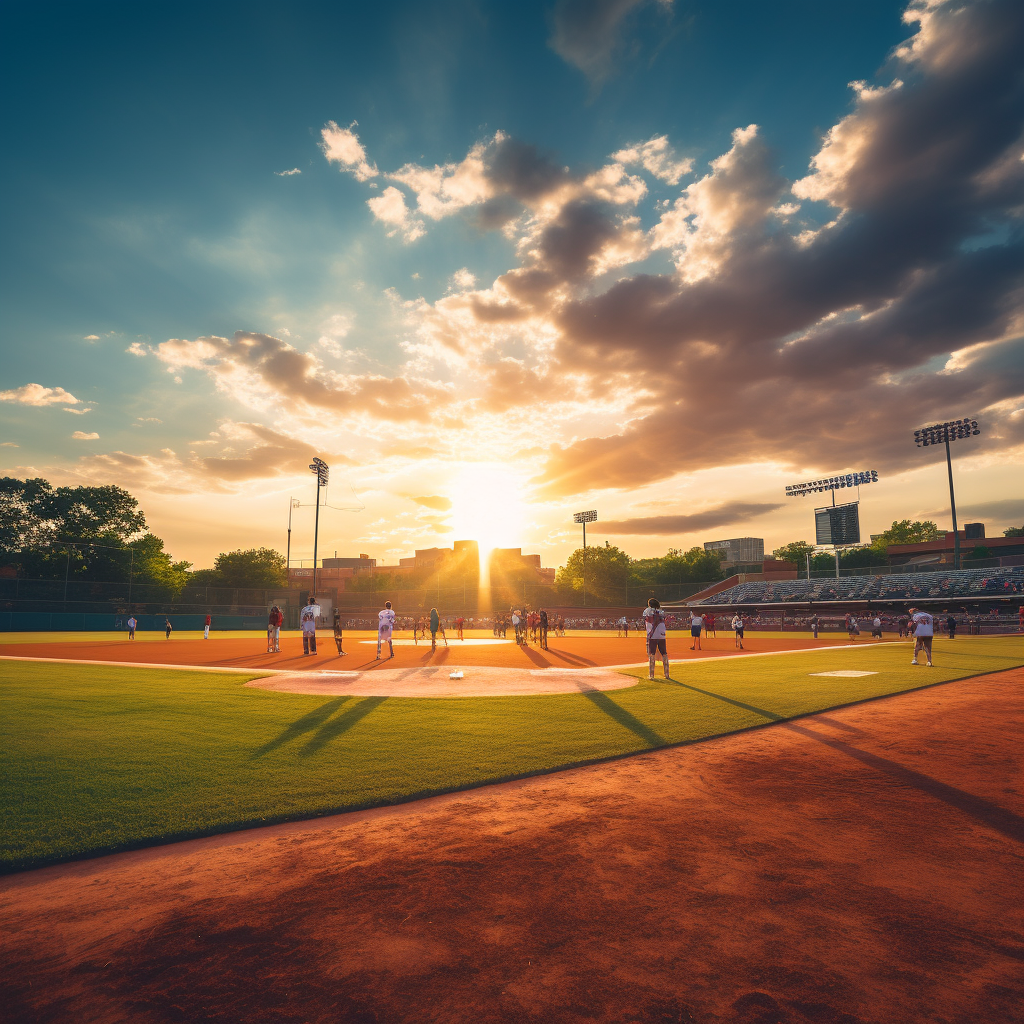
385 627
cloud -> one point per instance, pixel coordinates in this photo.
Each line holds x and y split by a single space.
79 412
342 146
37 395
334 329
435 502
288 174
80 435
389 207
461 280
136 348
148 419
588 33
658 157
263 372
9 444
791 341
709 519
91 337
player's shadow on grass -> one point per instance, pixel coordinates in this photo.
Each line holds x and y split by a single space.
333 728
996 817
621 715
307 723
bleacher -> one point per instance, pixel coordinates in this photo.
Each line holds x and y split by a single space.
962 585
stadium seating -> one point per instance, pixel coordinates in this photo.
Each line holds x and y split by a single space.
965 584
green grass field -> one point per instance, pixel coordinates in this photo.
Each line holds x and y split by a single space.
95 759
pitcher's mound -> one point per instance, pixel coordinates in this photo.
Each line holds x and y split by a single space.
476 681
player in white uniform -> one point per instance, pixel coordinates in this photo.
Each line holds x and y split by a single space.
385 627
924 630
654 620
307 620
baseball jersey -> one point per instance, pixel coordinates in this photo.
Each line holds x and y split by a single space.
654 620
385 622
923 624
308 618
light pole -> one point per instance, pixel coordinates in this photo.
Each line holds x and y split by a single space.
292 503
943 433
584 518
322 471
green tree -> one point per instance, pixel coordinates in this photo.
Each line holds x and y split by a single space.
979 551
1014 531
607 572
906 532
795 551
254 568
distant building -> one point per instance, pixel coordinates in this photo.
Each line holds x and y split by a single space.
364 562
738 549
1008 550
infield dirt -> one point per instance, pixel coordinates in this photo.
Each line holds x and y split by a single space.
861 865
563 652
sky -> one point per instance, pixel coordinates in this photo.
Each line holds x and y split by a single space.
496 263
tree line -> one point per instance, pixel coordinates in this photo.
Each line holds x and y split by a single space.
100 534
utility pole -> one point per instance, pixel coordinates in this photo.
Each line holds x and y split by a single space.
292 503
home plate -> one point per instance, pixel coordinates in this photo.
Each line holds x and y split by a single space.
844 673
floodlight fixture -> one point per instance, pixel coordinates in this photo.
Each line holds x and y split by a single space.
943 433
832 483
583 518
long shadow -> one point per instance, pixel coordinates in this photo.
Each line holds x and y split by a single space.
307 723
996 817
621 715
770 715
336 726
1003 821
573 659
536 657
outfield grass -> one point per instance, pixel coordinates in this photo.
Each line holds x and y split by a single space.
96 758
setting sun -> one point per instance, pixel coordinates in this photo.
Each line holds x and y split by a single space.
488 506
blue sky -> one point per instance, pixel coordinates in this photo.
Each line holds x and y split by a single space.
144 200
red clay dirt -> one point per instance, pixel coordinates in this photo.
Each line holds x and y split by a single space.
860 866
563 652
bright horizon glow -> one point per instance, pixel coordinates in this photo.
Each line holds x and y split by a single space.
488 507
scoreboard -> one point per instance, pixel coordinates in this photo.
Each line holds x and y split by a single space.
838 525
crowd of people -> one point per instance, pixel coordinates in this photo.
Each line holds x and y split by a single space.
964 583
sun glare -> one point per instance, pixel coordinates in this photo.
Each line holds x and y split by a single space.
488 507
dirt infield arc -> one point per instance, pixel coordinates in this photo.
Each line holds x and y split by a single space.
563 652
853 867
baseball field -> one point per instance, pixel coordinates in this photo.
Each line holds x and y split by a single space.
679 812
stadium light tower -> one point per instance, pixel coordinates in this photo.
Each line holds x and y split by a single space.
584 518
322 471
943 433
